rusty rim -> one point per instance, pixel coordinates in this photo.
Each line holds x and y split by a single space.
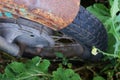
55 14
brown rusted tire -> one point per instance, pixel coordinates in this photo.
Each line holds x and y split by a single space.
88 31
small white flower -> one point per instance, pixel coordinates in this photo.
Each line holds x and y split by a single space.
94 51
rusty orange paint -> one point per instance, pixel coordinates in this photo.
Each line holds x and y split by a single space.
55 14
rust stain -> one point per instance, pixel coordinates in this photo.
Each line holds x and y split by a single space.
55 14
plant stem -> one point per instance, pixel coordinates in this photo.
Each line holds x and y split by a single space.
35 75
107 54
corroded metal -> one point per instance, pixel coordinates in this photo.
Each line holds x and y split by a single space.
55 14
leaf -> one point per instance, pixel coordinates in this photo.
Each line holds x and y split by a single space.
28 75
44 65
59 55
110 74
119 4
111 43
0 75
65 74
8 73
114 8
117 19
100 11
35 62
98 78
13 69
31 70
17 67
38 63
111 22
111 2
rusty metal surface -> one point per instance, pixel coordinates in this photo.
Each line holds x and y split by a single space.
55 14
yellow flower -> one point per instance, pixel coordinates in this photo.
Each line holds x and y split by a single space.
94 51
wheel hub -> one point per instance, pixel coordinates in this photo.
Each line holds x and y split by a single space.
27 37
